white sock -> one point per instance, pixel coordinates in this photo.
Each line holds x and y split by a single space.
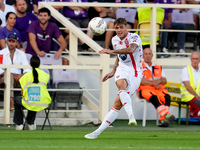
126 102
109 118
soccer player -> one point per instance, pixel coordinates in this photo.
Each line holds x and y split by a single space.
127 71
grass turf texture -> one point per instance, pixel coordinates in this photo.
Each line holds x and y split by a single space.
119 137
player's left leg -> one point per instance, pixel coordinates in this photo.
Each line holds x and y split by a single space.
109 118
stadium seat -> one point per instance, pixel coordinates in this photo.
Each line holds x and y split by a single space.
28 56
138 99
67 79
128 14
147 25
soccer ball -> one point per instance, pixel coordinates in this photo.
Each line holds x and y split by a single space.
97 26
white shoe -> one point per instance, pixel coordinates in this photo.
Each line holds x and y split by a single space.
165 50
19 127
31 126
182 51
132 122
92 135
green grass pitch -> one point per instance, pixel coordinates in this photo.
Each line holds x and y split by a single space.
119 137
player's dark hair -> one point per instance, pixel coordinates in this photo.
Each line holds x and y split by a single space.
8 14
43 10
120 21
35 63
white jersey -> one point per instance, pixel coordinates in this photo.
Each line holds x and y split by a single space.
131 62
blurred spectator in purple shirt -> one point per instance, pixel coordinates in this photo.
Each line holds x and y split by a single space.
23 20
78 15
40 35
8 29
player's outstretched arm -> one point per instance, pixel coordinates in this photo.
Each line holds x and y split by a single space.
132 47
106 51
107 76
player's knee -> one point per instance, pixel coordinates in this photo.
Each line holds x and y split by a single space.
123 95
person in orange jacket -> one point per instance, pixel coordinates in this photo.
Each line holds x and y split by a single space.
153 90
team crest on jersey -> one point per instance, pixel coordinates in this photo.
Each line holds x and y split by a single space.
123 56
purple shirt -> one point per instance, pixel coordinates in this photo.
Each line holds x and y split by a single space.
167 10
4 32
43 39
73 14
22 25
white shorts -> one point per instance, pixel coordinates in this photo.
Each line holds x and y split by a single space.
133 82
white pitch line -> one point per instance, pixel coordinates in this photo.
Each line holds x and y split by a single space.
95 147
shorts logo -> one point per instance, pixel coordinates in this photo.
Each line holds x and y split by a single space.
118 76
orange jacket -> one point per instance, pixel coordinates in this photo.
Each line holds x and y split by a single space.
157 74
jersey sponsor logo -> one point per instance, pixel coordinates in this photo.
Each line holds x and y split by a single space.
123 56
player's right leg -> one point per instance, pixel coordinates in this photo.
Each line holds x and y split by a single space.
126 100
